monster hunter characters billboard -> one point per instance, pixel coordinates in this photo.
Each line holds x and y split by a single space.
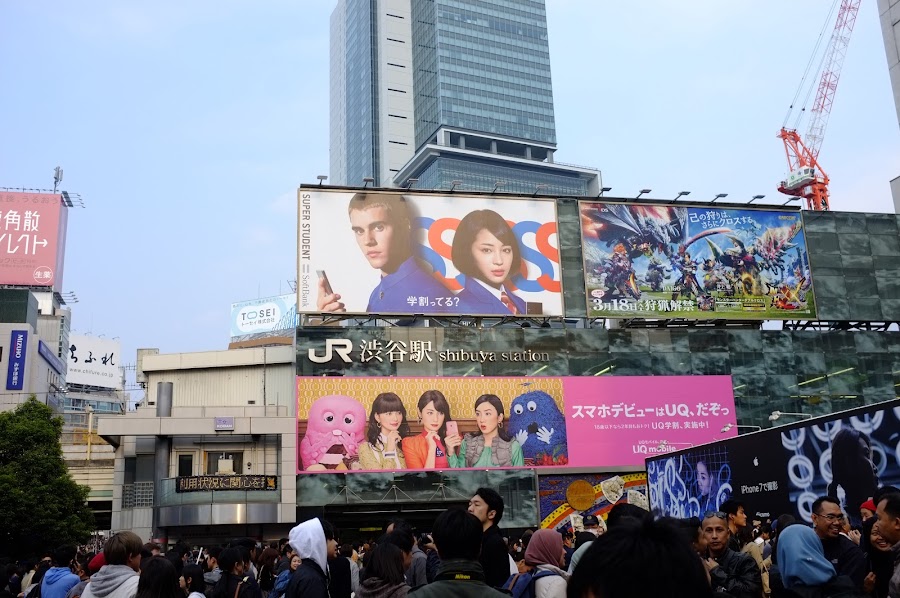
652 261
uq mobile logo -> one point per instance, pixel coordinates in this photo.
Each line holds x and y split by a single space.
341 346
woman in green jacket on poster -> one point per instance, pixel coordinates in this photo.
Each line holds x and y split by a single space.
491 445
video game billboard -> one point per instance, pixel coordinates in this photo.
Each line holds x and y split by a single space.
847 455
391 253
659 261
411 423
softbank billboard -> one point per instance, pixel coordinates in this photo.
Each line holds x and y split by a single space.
847 455
405 253
407 423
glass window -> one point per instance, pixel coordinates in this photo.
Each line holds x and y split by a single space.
224 463
185 465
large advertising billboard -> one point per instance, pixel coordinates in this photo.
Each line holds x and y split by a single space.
405 253
846 455
264 317
658 261
94 361
32 239
399 423
567 498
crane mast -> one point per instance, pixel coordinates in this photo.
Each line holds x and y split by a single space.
807 178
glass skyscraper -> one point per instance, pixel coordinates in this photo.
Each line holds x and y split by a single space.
446 92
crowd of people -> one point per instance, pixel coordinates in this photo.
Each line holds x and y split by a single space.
629 554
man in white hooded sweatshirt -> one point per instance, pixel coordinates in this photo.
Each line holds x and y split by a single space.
118 578
312 541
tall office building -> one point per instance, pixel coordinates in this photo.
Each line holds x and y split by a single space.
889 13
435 92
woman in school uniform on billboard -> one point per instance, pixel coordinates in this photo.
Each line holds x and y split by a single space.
486 250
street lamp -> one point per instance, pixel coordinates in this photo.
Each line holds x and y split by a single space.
604 190
454 185
755 197
322 178
680 195
368 180
643 192
718 196
727 427
775 415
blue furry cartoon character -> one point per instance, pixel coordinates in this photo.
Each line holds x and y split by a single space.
540 428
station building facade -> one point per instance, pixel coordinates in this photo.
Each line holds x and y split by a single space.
233 414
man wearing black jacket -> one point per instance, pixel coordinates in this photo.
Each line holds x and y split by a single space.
487 506
313 541
848 559
731 572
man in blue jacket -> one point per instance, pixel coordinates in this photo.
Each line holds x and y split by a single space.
59 579
382 227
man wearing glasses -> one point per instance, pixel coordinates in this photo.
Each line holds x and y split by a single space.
844 554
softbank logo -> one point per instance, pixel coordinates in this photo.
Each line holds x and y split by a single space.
341 346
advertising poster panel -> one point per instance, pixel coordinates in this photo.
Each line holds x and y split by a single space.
565 499
397 423
659 261
94 361
18 353
783 470
265 316
32 239
406 253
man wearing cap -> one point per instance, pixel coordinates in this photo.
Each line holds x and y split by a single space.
867 510
591 523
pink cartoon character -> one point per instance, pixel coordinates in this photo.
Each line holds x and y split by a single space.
336 426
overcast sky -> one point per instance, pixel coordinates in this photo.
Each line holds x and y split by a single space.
187 126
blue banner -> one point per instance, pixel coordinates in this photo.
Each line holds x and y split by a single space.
15 373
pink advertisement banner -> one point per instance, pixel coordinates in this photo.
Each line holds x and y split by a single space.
410 423
32 239
621 420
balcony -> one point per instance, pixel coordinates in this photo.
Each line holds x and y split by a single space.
217 507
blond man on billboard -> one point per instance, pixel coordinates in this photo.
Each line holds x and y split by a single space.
382 227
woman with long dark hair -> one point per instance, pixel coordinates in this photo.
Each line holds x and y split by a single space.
881 561
491 445
387 427
853 470
428 449
192 582
486 250
384 574
158 579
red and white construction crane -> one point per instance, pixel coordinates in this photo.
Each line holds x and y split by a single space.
807 179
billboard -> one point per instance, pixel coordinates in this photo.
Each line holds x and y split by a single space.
32 239
264 317
399 423
564 499
784 469
658 261
18 353
94 361
406 253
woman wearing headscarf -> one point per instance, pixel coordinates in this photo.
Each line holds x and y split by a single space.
805 571
545 554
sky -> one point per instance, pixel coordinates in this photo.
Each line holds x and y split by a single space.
186 127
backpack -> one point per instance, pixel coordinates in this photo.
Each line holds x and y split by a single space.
521 585
36 590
